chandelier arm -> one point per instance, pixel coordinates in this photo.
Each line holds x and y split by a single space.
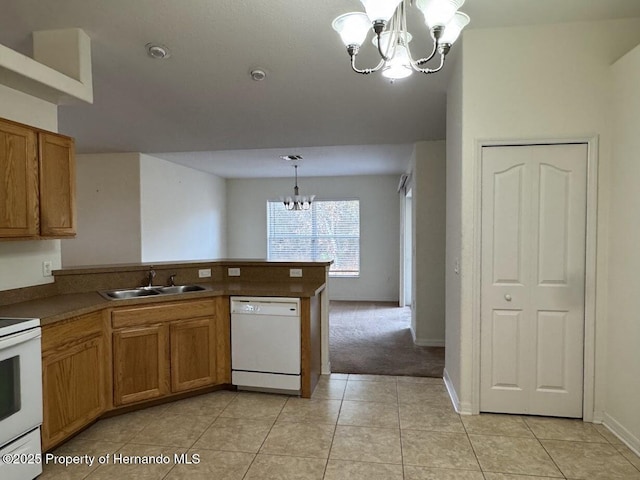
433 70
382 55
424 60
365 71
378 28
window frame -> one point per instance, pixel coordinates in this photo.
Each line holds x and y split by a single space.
314 237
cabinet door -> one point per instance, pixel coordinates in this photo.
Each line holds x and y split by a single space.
57 185
140 364
193 354
73 386
18 181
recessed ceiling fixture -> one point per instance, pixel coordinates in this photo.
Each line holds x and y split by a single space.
258 74
291 158
157 51
297 201
388 19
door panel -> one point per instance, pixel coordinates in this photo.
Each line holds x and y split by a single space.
507 219
551 351
533 254
553 234
505 337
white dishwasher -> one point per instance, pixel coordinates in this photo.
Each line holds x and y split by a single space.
265 343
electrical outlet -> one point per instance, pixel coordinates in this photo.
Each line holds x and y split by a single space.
295 272
46 268
233 272
204 273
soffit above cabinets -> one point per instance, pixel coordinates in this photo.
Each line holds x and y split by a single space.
60 71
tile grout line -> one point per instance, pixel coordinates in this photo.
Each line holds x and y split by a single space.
265 439
543 447
545 450
326 465
200 436
400 428
475 454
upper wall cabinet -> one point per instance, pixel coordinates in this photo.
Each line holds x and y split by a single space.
57 185
37 183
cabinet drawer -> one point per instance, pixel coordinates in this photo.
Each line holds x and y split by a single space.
146 315
71 330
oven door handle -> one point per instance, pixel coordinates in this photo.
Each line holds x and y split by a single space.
18 338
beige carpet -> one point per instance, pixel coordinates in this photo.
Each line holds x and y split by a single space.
375 338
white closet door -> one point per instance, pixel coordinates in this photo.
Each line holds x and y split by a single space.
533 273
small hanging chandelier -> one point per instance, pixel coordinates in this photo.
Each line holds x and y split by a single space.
297 202
388 19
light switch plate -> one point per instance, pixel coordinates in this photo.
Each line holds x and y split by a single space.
295 272
233 272
204 273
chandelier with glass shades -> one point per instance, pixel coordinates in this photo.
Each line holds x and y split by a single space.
388 20
297 201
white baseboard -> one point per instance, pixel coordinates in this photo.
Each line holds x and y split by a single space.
598 416
326 368
426 342
461 408
628 438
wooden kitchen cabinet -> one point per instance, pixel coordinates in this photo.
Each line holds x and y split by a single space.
193 354
74 376
140 364
167 348
19 214
37 183
57 185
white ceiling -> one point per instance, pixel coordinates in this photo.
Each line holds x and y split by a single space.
202 99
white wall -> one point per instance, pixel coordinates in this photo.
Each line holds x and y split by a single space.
453 335
108 206
623 327
527 87
379 226
138 208
183 212
428 215
21 261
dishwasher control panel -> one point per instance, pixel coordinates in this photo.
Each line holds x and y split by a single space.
266 306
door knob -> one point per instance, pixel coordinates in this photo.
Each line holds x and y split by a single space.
507 297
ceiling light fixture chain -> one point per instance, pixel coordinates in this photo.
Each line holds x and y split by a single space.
388 20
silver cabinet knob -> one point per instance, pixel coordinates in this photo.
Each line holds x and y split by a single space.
507 297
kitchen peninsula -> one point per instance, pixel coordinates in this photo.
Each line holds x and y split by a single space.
104 356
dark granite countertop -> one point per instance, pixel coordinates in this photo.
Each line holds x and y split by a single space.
60 307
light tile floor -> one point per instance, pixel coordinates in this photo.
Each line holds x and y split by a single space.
355 427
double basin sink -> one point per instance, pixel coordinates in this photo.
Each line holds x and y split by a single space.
149 291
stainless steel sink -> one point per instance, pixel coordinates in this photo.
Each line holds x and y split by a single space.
181 289
131 293
149 291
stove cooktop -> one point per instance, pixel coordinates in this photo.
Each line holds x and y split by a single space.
9 326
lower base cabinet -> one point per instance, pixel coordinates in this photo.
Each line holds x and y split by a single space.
169 348
96 362
73 376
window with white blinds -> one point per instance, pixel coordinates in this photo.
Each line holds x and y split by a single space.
329 230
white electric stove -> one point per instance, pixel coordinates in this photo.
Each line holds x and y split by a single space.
20 398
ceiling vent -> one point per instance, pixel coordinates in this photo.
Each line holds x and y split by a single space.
291 158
